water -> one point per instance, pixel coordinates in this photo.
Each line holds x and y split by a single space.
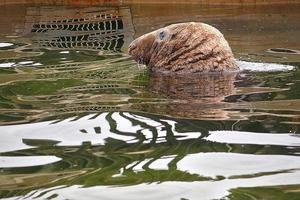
81 120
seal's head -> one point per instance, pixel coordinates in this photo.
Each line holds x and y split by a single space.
184 47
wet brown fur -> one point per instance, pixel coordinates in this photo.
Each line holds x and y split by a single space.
185 48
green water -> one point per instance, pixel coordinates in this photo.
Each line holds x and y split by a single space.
79 119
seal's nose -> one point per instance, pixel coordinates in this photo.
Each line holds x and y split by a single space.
131 47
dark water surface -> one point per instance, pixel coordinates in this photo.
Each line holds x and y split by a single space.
79 119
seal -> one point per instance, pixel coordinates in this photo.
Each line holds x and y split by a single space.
184 48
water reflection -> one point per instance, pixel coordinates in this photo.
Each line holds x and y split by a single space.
193 87
73 107
93 28
104 149
93 128
26 161
196 96
238 137
206 190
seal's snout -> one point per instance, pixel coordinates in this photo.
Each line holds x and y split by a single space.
140 48
131 47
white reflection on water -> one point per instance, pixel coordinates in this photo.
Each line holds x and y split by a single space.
261 170
263 67
226 165
64 52
184 136
240 137
9 64
161 133
125 125
91 128
203 190
234 164
26 161
162 163
5 44
157 164
67 132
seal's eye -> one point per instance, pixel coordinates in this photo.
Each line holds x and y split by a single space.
162 35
